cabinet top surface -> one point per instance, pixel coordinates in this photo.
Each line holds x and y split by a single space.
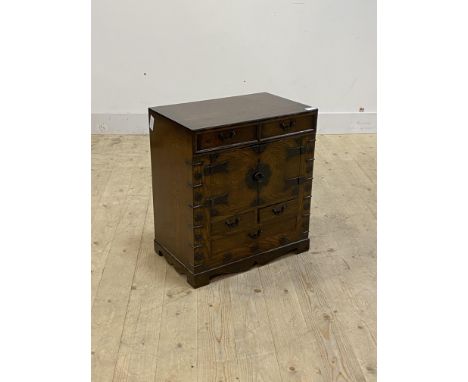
231 110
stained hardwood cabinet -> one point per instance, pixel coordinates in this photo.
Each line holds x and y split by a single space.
232 181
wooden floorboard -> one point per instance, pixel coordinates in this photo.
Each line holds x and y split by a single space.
137 356
306 317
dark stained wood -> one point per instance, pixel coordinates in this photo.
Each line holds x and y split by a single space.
234 223
230 181
284 162
278 211
171 148
200 279
230 110
290 125
256 240
226 137
226 198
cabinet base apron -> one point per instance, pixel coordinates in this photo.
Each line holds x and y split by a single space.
197 280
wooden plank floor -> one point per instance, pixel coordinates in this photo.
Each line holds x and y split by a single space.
307 317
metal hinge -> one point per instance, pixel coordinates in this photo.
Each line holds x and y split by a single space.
299 150
214 200
296 181
215 168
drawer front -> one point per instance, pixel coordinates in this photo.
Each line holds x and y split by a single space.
247 243
235 223
288 125
279 211
226 137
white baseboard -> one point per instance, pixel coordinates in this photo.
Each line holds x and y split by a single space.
328 123
119 123
346 123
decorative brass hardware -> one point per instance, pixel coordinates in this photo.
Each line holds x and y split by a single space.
215 168
258 176
295 181
227 135
232 223
255 235
285 125
278 210
299 150
214 200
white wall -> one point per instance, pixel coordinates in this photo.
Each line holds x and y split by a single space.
153 52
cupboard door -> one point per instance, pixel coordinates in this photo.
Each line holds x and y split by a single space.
282 161
224 178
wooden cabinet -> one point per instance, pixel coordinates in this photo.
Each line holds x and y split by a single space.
232 181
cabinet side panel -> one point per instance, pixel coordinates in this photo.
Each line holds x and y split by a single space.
171 155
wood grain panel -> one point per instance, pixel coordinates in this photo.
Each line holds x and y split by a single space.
231 182
234 223
284 164
171 148
261 238
278 211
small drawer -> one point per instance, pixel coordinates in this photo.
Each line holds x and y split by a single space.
226 137
229 242
234 223
289 125
273 228
278 211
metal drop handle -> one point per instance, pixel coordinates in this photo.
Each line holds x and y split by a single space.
254 235
232 223
287 124
258 176
224 136
278 210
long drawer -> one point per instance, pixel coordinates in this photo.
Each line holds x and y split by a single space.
258 239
